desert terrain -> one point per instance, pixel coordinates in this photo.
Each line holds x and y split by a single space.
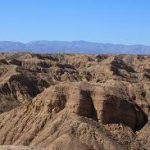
74 102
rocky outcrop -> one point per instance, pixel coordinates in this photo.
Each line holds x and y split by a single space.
69 111
10 147
74 101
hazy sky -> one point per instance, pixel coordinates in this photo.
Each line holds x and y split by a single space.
109 21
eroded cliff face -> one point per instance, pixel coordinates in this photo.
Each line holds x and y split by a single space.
74 102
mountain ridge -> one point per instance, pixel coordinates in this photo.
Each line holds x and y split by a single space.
45 46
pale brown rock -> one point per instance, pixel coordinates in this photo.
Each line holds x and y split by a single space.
10 147
85 102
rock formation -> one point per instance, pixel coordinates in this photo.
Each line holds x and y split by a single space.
72 102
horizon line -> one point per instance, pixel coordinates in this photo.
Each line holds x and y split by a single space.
76 41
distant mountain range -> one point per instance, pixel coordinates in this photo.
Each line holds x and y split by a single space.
72 47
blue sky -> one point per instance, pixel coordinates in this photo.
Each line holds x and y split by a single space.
107 21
